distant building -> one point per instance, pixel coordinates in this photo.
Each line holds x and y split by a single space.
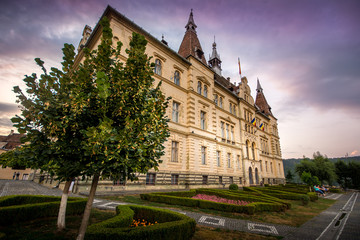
7 143
215 137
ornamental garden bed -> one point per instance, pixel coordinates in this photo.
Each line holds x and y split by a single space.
255 202
140 222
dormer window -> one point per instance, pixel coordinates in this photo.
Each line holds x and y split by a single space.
199 53
157 69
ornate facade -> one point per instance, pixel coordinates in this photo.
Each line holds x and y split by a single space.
212 142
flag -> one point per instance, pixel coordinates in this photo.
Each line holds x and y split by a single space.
262 126
254 122
239 66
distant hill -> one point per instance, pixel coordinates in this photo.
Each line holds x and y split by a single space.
289 164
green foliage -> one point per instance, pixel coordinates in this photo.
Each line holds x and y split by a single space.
289 176
335 190
233 186
171 225
348 174
320 166
101 116
310 180
27 207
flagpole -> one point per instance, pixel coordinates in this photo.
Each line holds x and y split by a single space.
239 68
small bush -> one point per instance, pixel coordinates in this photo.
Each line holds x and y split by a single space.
233 186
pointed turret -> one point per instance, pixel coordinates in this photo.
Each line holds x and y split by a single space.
190 45
261 100
214 60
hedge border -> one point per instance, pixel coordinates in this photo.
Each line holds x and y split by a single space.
171 225
19 208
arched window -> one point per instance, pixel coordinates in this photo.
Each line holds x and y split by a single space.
253 150
205 91
251 180
199 88
157 69
177 78
256 176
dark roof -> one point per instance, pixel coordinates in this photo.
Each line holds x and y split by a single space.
110 10
190 44
12 140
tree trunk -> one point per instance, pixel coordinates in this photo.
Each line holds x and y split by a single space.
62 209
85 220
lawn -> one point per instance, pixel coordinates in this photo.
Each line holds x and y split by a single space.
296 216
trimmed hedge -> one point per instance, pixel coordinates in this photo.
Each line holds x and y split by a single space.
335 190
258 204
171 225
18 208
233 186
313 196
268 197
286 195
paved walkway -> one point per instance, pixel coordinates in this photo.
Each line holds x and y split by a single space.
340 221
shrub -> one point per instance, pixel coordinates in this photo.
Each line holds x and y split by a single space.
27 207
335 190
233 186
313 196
170 225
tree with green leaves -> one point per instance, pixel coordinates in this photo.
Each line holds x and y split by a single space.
348 174
52 139
289 176
121 110
309 180
319 166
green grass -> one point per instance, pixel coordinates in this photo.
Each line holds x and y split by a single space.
296 216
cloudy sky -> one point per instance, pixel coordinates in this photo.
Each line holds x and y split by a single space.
306 54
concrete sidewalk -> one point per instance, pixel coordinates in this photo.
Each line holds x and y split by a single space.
327 225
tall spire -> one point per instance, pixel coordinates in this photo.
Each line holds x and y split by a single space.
259 88
190 45
261 100
191 23
214 60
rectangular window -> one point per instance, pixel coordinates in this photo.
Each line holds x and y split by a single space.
203 155
150 178
222 130
238 161
204 180
220 180
216 99
231 180
240 180
232 134
174 179
174 151
218 158
175 112
203 120
229 160
266 167
271 167
227 132
230 107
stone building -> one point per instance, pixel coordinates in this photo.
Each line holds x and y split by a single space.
213 141
7 143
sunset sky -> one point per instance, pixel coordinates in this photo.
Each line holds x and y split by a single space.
306 54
